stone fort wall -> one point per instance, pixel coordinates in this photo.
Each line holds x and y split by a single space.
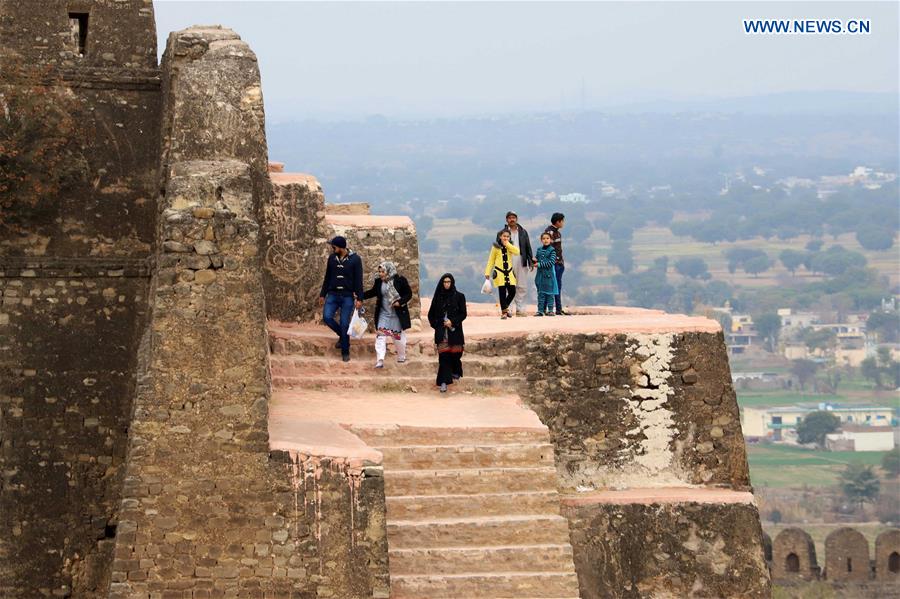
231 519
849 564
74 275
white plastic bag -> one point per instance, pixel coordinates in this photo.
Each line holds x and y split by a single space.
487 288
358 326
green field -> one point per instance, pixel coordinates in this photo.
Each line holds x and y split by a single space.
789 466
788 398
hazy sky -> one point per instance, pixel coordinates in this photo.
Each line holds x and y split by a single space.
413 59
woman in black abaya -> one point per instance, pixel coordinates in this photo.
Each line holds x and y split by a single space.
446 315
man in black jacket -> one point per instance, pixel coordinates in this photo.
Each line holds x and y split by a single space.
518 236
342 291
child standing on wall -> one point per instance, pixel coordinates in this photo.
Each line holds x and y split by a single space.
545 279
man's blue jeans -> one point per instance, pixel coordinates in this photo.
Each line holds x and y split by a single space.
558 269
344 304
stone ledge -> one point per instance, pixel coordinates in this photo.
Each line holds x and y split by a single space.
365 221
660 495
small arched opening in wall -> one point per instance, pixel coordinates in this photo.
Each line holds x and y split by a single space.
894 563
849 564
792 563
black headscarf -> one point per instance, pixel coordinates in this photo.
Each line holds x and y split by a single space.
441 294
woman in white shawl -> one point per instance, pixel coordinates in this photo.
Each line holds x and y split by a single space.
391 312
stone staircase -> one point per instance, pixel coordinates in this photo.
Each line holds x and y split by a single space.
471 511
306 359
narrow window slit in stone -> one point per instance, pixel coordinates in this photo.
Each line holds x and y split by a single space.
849 565
792 563
78 23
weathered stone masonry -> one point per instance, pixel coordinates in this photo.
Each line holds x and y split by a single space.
648 411
73 277
230 520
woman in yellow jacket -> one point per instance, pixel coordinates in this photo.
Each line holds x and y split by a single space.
501 269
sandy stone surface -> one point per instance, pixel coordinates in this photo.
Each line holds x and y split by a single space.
291 178
648 496
368 220
289 409
318 438
611 321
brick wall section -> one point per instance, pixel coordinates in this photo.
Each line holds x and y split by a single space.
343 500
74 282
115 91
626 409
66 379
673 550
206 511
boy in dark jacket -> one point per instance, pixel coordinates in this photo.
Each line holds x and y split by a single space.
342 291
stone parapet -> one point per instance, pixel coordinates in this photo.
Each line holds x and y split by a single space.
649 450
357 208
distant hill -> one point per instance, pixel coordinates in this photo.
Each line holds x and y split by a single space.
382 160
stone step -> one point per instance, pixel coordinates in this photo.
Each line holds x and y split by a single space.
372 381
322 344
430 507
384 436
478 532
416 365
409 457
470 480
497 585
456 560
